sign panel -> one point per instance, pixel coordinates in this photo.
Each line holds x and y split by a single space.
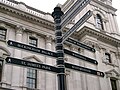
31 48
80 56
24 63
73 11
79 44
83 69
77 25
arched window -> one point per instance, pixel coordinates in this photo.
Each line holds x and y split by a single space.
99 22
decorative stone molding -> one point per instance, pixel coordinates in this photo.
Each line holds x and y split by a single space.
97 10
113 73
93 44
73 48
19 29
27 12
2 25
5 50
67 72
102 36
33 57
48 39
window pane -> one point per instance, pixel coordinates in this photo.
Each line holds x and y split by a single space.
108 58
2 34
33 41
99 21
31 78
113 84
1 65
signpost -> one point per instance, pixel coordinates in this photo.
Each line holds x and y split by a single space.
25 63
76 55
59 48
77 25
31 48
83 69
79 44
60 22
73 11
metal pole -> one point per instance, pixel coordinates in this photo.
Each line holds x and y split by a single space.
59 48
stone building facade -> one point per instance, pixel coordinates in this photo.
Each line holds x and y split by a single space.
22 23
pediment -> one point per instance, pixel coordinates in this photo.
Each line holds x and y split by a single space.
4 51
33 58
113 73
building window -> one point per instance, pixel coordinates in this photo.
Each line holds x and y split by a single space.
1 67
33 41
113 84
99 22
31 78
107 57
2 33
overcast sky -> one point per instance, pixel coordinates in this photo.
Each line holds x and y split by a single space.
48 5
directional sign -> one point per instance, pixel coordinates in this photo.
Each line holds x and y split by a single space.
79 44
80 56
83 69
31 48
73 11
77 25
24 63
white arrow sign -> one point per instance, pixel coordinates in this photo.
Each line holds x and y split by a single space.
77 25
73 11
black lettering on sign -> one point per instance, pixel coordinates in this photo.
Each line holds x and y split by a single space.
31 48
79 44
83 69
20 62
80 56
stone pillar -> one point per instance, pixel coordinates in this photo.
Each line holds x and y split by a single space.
50 83
99 80
116 24
17 72
104 25
112 23
77 85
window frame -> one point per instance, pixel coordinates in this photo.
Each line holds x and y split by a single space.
108 58
30 78
33 44
115 83
3 35
99 22
1 69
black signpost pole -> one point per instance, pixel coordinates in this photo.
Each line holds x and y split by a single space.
59 48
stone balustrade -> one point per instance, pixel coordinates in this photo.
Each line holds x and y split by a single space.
22 6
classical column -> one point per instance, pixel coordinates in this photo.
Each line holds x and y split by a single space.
50 83
109 24
17 71
112 23
116 24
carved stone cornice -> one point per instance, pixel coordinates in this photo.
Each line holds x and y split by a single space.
16 12
104 37
103 4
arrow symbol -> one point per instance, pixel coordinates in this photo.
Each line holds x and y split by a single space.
9 60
